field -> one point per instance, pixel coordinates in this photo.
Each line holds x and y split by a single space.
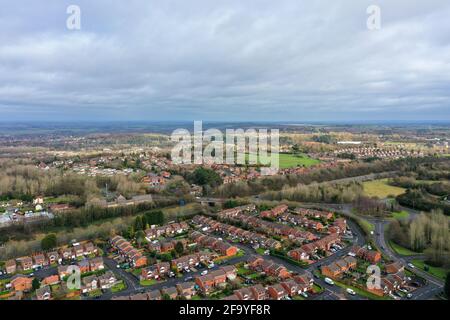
288 160
381 189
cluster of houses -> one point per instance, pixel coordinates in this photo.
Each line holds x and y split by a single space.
237 233
40 260
373 256
220 246
306 250
382 153
168 230
85 265
268 227
288 286
274 212
338 268
126 250
94 282
156 180
184 290
216 279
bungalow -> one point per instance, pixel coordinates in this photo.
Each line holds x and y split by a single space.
186 289
10 266
43 293
277 292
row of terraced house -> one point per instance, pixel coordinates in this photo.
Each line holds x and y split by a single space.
40 260
125 249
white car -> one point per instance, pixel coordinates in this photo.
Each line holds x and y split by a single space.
329 281
304 294
411 265
204 273
350 291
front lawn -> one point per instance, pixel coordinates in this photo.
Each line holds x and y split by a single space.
434 271
148 282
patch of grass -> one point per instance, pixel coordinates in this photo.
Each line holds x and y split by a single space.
400 215
361 292
118 287
434 271
148 282
381 189
402 250
95 293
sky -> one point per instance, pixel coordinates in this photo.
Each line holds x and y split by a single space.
224 60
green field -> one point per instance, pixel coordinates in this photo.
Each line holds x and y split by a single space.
435 271
402 250
288 160
381 189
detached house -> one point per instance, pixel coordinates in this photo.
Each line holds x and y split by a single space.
277 292
11 266
26 263
43 293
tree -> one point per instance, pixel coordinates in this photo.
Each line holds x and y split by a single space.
447 286
138 225
35 284
49 242
140 237
179 247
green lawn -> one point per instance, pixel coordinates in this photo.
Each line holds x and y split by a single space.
118 287
400 215
381 189
361 292
366 225
288 160
95 293
402 250
148 282
435 271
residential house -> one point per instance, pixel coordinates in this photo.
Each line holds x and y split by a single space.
10 266
50 280
96 264
277 292
21 283
172 292
44 293
89 284
186 289
26 263
107 280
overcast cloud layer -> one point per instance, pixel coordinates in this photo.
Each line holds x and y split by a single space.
292 60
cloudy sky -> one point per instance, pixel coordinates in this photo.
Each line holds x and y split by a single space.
246 60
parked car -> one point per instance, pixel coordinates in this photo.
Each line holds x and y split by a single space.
329 281
304 294
411 265
350 291
409 296
204 273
